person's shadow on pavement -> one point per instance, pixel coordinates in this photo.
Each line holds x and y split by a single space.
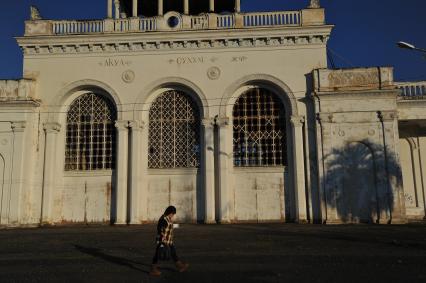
110 258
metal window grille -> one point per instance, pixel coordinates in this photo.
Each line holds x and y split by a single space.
259 128
90 137
174 132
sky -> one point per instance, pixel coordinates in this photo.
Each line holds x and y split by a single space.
365 33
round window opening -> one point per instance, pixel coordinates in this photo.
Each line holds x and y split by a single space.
173 21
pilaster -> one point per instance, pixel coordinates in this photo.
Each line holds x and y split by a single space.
225 163
138 188
19 149
395 195
51 130
208 127
121 171
299 168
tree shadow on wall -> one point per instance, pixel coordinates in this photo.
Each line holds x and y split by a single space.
360 182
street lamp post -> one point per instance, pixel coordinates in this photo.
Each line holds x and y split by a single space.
410 46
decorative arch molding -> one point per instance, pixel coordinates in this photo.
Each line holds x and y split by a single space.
267 81
153 90
67 94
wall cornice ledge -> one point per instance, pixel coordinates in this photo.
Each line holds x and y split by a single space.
175 41
408 103
358 94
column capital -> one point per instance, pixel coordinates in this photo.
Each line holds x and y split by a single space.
122 125
18 126
297 121
387 116
208 122
325 117
223 122
137 125
52 127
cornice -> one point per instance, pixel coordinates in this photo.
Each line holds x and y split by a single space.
357 94
175 41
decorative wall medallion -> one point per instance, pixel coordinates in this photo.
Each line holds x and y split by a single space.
128 76
213 73
371 132
342 133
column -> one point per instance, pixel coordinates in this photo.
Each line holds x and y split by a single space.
121 171
237 6
211 6
18 173
51 129
117 8
225 159
160 7
208 125
299 168
109 9
135 8
137 186
186 7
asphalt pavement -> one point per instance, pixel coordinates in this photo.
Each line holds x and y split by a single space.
246 253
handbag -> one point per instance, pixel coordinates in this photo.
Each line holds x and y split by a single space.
164 252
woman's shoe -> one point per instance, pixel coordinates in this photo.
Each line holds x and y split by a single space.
181 267
154 270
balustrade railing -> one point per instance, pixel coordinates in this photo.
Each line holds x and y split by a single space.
226 21
148 24
413 90
272 19
74 27
229 21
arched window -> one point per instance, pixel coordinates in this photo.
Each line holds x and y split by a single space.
90 137
174 131
259 129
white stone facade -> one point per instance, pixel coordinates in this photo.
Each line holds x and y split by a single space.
330 117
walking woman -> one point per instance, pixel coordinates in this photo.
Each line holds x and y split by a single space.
165 243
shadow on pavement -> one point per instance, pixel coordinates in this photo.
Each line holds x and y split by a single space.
110 258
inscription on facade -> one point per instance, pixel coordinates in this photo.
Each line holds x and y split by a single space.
115 62
239 59
201 60
188 60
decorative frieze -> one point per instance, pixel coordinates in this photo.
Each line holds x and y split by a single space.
16 89
355 79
